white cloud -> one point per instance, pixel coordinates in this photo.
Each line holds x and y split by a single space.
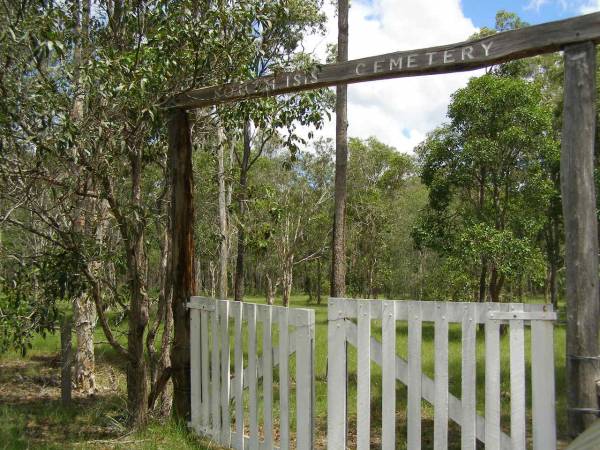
398 112
536 4
590 7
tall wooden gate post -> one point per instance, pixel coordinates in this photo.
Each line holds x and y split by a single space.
581 234
183 269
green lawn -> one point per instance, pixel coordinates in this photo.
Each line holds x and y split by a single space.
31 415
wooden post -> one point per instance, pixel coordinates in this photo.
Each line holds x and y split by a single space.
66 362
581 234
183 269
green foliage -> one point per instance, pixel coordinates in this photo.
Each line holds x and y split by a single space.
377 177
23 312
490 177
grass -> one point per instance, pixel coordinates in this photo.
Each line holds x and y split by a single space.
31 415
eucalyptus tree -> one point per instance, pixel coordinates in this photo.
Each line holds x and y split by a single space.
378 174
293 214
489 190
141 53
277 42
44 194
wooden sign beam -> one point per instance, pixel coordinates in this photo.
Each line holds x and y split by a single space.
468 55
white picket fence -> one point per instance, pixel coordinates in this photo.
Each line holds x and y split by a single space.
220 408
342 329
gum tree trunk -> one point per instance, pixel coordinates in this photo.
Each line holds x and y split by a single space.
241 247
223 226
338 248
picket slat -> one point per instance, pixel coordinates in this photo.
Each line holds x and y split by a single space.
284 403
225 369
492 385
542 378
267 367
363 394
468 378
517 384
252 379
414 377
238 387
215 380
440 427
388 376
336 376
195 359
205 406
542 372
304 394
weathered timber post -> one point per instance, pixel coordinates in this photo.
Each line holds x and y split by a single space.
183 270
66 356
581 234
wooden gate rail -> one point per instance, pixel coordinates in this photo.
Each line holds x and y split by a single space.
463 411
213 386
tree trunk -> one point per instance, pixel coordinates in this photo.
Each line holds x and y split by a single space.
84 319
495 285
84 311
319 280
287 281
65 357
270 290
241 247
581 234
160 365
338 248
223 226
137 371
183 270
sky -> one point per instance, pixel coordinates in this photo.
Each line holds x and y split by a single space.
401 112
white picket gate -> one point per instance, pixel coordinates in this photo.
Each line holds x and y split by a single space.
342 329
220 410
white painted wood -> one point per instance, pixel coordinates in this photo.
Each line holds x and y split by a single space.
267 361
304 394
414 377
492 385
517 385
284 402
336 376
292 350
523 315
195 359
225 369
468 378
238 385
215 379
542 379
428 385
363 394
252 378
205 405
440 421
388 376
